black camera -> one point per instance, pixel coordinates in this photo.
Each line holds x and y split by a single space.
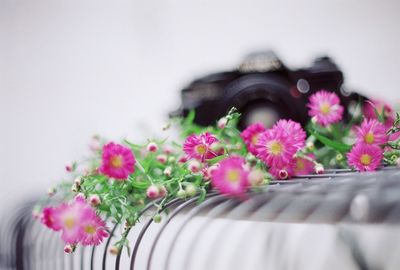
264 90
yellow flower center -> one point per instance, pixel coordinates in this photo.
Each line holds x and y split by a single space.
369 137
116 161
299 164
233 175
201 149
90 229
365 159
275 147
325 108
69 222
254 139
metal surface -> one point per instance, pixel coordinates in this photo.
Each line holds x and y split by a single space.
353 214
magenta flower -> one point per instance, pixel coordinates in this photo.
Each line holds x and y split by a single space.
78 222
118 161
231 176
50 219
93 228
365 157
303 166
371 131
293 130
250 136
199 146
275 147
325 107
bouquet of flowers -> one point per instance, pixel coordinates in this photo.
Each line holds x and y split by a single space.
116 183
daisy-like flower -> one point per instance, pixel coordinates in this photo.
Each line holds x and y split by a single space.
303 166
231 176
93 228
293 130
371 131
325 107
365 157
118 161
250 136
69 217
199 146
275 147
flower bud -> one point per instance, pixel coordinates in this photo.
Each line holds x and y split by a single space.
216 147
181 194
339 157
162 190
319 169
310 146
94 200
152 147
168 171
157 218
113 250
168 150
152 192
283 174
398 162
182 159
74 188
222 122
162 159
68 249
51 192
70 167
171 159
194 166
256 178
78 181
190 190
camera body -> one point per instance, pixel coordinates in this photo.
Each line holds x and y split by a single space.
264 90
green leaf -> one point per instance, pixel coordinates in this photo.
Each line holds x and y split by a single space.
341 147
216 159
202 196
190 117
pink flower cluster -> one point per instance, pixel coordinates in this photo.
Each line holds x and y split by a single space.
77 221
367 152
277 147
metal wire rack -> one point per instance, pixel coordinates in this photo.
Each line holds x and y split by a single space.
338 220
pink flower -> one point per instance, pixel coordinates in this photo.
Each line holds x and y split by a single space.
93 228
78 222
275 147
231 176
325 107
293 130
303 166
69 217
49 218
365 157
118 161
371 131
282 172
250 136
370 106
199 146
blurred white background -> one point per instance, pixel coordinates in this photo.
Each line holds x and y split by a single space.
72 68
